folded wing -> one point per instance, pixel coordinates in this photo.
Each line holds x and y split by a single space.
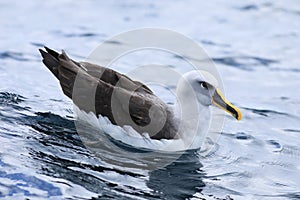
101 90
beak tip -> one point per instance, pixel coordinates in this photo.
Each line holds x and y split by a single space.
239 116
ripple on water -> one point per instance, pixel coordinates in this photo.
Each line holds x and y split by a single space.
290 150
7 98
245 62
81 35
249 7
265 112
36 44
13 55
274 145
28 185
292 130
239 136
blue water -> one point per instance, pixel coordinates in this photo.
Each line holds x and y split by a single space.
256 49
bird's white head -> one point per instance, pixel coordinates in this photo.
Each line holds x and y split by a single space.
204 87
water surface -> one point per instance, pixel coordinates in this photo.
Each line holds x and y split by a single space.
256 49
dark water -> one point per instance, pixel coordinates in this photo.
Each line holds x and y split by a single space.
256 49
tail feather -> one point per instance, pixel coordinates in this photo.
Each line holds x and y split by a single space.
52 52
63 68
50 59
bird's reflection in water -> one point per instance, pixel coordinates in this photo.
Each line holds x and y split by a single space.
62 155
179 180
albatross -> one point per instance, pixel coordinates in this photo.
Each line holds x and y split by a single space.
129 103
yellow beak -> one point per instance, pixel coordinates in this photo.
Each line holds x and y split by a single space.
220 101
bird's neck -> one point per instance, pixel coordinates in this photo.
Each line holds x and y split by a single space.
193 119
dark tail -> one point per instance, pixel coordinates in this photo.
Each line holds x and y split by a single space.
50 59
63 68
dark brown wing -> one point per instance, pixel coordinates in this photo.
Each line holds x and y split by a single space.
104 91
112 77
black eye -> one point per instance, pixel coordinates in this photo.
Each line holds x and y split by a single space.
203 84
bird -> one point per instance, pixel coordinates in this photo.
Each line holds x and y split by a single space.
129 103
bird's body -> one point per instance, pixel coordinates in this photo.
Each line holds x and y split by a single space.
105 82
126 102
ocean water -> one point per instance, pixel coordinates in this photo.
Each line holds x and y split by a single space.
255 46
